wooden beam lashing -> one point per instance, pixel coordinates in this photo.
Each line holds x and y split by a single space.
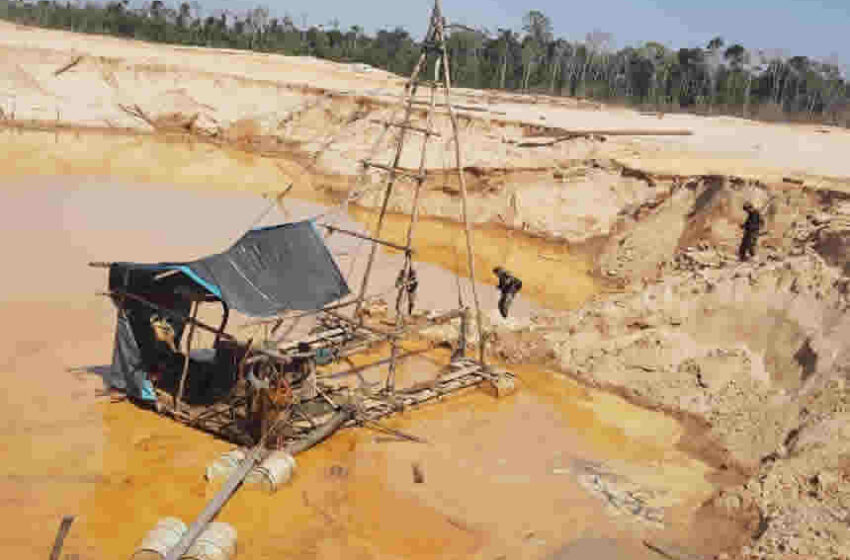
360 324
430 84
421 130
394 170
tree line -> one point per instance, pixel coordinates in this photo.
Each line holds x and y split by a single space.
715 79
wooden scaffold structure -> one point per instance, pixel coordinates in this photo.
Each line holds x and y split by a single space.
271 394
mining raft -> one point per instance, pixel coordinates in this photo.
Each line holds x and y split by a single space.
277 391
270 389
272 395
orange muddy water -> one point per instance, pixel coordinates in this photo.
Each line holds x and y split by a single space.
544 473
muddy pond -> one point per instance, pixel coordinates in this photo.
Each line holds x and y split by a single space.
554 471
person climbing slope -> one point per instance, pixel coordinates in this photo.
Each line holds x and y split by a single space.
509 286
752 230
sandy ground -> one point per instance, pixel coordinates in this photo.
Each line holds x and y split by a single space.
751 360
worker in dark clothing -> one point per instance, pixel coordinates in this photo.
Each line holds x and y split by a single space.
509 286
412 284
752 230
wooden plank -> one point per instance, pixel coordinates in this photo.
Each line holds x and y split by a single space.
64 527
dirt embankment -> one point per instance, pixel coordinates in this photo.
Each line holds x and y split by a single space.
320 119
757 351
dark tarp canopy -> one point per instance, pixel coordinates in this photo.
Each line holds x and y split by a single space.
268 270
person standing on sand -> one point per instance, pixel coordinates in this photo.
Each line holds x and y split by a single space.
509 286
752 230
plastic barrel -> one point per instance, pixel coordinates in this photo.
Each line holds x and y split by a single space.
225 464
217 542
159 540
275 471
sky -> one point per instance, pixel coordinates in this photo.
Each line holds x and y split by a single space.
816 28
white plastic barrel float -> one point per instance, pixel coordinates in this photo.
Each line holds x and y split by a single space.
269 475
225 464
272 473
159 540
217 542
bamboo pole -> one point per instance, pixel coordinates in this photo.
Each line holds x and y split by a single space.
178 397
469 251
332 229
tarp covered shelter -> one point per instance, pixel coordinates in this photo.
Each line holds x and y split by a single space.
267 271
